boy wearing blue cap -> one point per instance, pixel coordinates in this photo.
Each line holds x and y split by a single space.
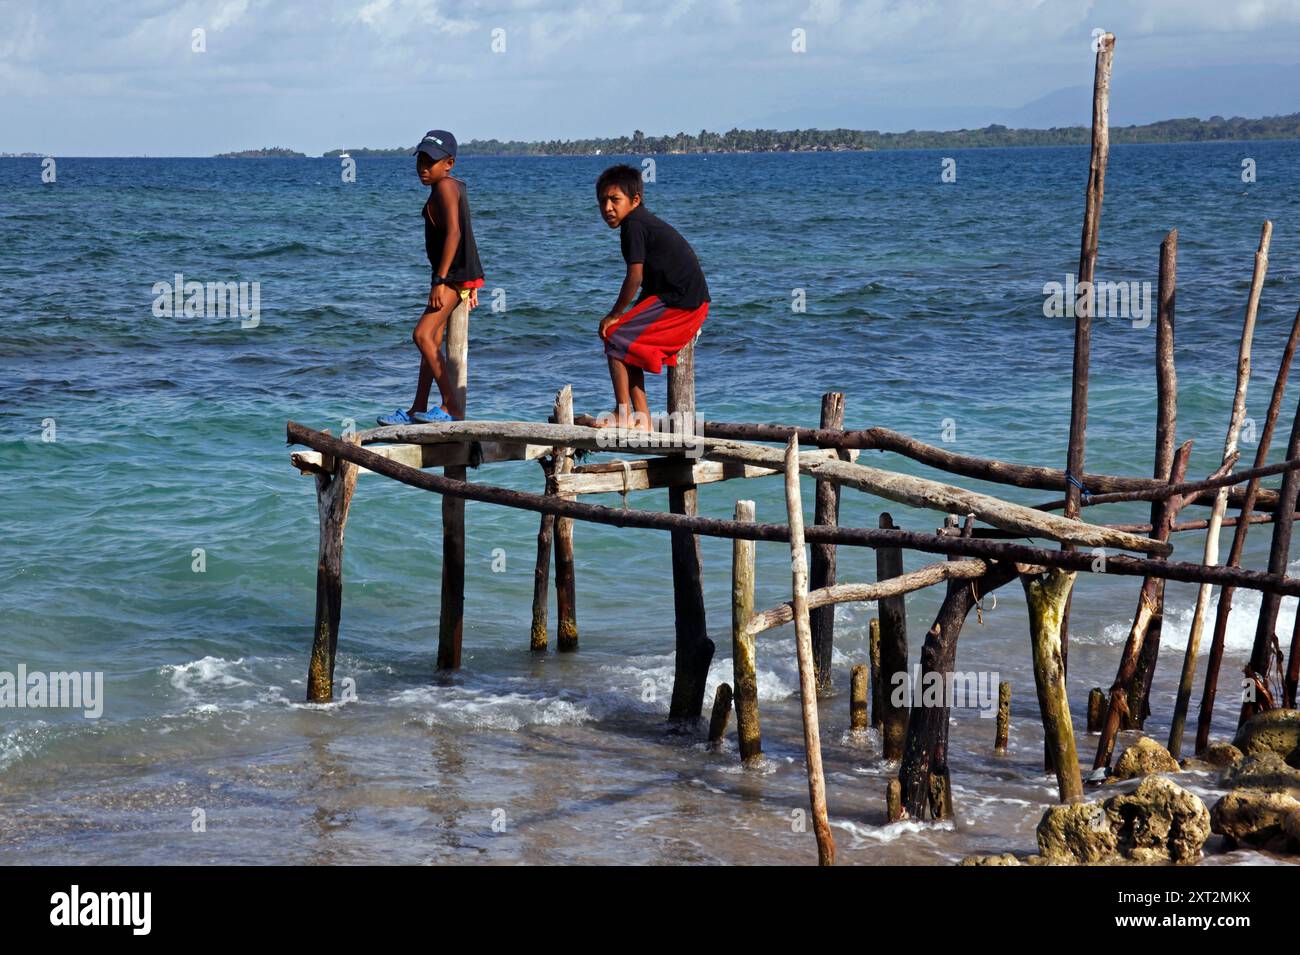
457 275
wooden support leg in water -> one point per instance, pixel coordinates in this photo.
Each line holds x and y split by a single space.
803 644
451 615
873 645
1047 597
743 661
694 648
859 714
893 648
925 753
333 498
542 570
1096 709
1003 733
566 595
1211 552
822 568
721 715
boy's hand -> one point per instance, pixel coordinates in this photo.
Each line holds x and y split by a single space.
473 299
605 324
440 296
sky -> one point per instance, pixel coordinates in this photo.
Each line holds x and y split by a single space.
128 77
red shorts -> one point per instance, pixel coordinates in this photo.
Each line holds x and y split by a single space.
650 334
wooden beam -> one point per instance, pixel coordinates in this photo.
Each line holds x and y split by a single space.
650 473
431 455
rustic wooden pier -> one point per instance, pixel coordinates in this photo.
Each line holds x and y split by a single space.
980 543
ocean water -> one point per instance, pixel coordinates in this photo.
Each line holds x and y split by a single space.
924 303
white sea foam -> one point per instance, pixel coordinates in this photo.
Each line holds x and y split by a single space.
207 673
482 709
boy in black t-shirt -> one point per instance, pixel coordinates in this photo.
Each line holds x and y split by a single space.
673 303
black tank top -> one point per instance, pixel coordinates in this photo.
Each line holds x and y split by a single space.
465 265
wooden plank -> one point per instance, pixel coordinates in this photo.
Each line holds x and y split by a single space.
431 455
650 473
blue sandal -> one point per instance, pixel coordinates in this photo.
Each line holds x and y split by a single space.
397 417
434 415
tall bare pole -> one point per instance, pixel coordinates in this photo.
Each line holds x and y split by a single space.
1211 553
1083 306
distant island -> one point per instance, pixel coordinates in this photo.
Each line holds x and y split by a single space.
1191 130
266 152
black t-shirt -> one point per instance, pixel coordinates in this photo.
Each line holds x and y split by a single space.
671 269
465 265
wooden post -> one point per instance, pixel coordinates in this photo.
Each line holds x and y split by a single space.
1122 694
694 648
1211 553
822 571
333 498
877 707
721 715
451 614
803 644
893 648
1166 428
1278 557
1096 709
743 662
1097 159
1215 660
894 801
566 597
859 715
1004 718
542 569
1046 597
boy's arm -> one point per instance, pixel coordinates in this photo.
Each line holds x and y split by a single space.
449 205
631 283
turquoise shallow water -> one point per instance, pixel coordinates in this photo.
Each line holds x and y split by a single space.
924 304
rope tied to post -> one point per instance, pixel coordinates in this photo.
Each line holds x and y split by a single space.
979 606
1083 491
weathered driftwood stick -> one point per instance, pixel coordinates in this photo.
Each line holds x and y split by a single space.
1215 659
894 802
893 646
925 749
744 666
542 568
984 469
431 455
1096 709
889 589
566 587
1211 553
1047 596
1166 428
643 474
1140 685
333 498
822 566
721 715
1121 695
859 705
905 489
451 613
694 648
1193 525
1119 565
803 644
1184 489
873 645
1093 197
1278 557
1003 733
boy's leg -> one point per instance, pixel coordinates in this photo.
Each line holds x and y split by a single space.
428 338
618 375
636 390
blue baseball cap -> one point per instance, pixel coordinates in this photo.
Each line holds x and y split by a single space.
436 144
